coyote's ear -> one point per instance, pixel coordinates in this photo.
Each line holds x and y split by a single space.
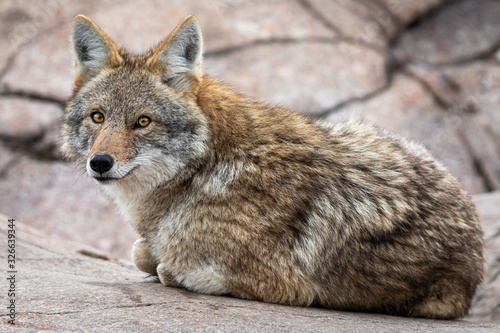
92 50
178 58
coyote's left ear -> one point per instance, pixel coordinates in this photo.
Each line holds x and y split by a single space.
178 58
93 50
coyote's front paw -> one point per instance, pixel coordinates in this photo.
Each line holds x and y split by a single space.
142 257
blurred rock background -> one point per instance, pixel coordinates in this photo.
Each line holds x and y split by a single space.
428 70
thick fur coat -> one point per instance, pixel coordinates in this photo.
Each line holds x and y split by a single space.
235 197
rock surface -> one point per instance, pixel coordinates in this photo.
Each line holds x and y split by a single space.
486 306
61 290
428 70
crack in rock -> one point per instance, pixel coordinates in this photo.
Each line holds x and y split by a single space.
418 20
480 169
339 106
357 41
318 16
32 145
89 311
383 5
10 164
34 96
433 12
486 55
480 56
438 100
9 63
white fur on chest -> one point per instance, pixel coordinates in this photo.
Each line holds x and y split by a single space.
172 244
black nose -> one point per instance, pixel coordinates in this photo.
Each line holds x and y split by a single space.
101 163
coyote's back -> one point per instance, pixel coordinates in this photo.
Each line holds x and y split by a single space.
235 197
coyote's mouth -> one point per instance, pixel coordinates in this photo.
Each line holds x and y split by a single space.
106 179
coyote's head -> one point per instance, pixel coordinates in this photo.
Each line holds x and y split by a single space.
135 119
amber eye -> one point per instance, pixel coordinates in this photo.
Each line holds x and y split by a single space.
97 117
143 121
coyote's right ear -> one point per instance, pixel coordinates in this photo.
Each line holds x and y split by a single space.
178 58
93 50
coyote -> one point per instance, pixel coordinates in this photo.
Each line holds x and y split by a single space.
234 197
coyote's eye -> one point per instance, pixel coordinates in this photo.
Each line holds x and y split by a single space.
97 117
143 121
